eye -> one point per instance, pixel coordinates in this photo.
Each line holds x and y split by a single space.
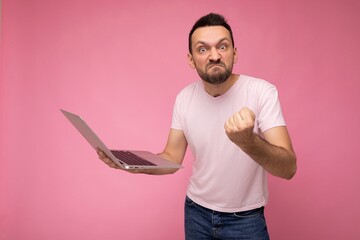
223 47
201 49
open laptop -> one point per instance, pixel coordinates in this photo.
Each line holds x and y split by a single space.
126 159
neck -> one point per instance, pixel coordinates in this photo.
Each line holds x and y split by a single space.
219 89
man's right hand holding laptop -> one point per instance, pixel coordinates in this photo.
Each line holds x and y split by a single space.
110 163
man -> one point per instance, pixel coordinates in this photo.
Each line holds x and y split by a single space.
234 126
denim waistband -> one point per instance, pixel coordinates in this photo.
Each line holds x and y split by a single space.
244 213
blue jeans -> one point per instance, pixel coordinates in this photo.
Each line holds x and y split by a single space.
203 223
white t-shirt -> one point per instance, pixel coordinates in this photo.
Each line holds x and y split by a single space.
224 178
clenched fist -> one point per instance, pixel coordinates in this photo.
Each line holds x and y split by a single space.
239 127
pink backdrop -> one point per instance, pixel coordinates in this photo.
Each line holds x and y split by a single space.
120 64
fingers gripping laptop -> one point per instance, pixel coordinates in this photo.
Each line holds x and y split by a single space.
126 159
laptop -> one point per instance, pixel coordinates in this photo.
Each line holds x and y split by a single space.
126 159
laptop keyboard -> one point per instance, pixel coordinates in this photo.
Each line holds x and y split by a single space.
130 158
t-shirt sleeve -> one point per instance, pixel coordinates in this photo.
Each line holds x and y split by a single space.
176 122
270 113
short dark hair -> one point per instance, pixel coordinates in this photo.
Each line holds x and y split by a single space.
211 19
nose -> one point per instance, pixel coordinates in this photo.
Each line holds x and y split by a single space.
214 55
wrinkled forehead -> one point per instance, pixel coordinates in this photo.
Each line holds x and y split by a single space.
210 35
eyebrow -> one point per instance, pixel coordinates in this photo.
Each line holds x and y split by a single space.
207 44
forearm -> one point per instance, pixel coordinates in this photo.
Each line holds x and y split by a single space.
276 160
174 151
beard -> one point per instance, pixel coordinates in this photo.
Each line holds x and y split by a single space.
215 73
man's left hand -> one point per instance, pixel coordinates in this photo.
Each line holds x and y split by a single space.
240 126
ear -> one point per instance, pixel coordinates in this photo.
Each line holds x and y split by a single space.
191 60
235 55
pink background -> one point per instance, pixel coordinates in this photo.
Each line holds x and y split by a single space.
120 65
